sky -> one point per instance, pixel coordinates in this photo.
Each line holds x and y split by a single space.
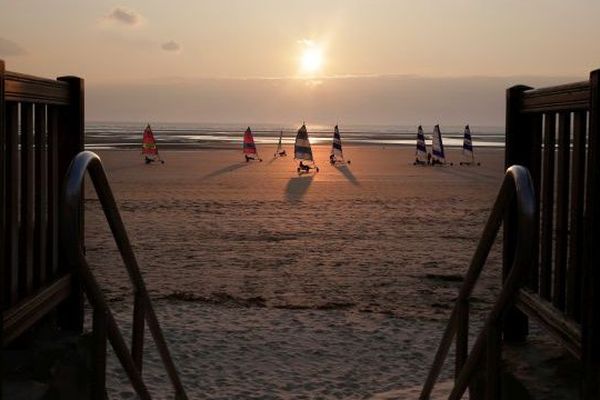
360 61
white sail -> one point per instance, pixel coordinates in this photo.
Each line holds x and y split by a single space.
437 146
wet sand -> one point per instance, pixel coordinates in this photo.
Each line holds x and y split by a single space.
274 285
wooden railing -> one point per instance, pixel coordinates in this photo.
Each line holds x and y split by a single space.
555 132
104 324
41 130
516 188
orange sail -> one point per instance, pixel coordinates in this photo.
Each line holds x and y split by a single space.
148 143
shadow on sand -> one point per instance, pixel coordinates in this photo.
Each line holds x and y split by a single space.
348 174
224 170
297 187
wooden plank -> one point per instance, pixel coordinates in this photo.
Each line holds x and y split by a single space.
41 195
570 97
574 272
564 330
547 206
27 202
591 268
53 192
519 143
12 204
28 311
71 138
27 88
562 210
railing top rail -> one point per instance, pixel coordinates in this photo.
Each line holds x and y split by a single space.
87 161
28 88
569 97
517 184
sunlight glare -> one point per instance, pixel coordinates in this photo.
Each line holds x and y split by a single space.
312 59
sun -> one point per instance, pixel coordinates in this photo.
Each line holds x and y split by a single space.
311 60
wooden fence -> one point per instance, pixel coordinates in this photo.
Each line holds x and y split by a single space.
555 132
41 130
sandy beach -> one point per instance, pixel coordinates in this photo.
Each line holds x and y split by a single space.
271 285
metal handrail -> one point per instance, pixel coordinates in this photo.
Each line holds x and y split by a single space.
143 310
517 185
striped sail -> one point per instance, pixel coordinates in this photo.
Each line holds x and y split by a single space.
437 146
468 145
336 148
421 152
302 150
249 146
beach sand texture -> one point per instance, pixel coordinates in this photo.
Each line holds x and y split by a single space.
273 285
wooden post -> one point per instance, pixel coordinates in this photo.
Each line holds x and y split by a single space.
591 266
519 143
2 213
71 138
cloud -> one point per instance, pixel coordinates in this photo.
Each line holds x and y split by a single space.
123 16
171 46
10 48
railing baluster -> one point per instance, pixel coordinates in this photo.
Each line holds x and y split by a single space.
53 192
87 161
99 352
41 196
12 203
547 206
462 334
137 337
535 127
27 201
493 358
562 209
574 282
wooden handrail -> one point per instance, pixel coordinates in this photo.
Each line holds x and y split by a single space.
517 185
87 161
32 89
570 97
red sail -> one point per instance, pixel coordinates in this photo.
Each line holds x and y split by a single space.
249 146
148 143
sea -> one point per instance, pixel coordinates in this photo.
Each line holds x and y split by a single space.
123 135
